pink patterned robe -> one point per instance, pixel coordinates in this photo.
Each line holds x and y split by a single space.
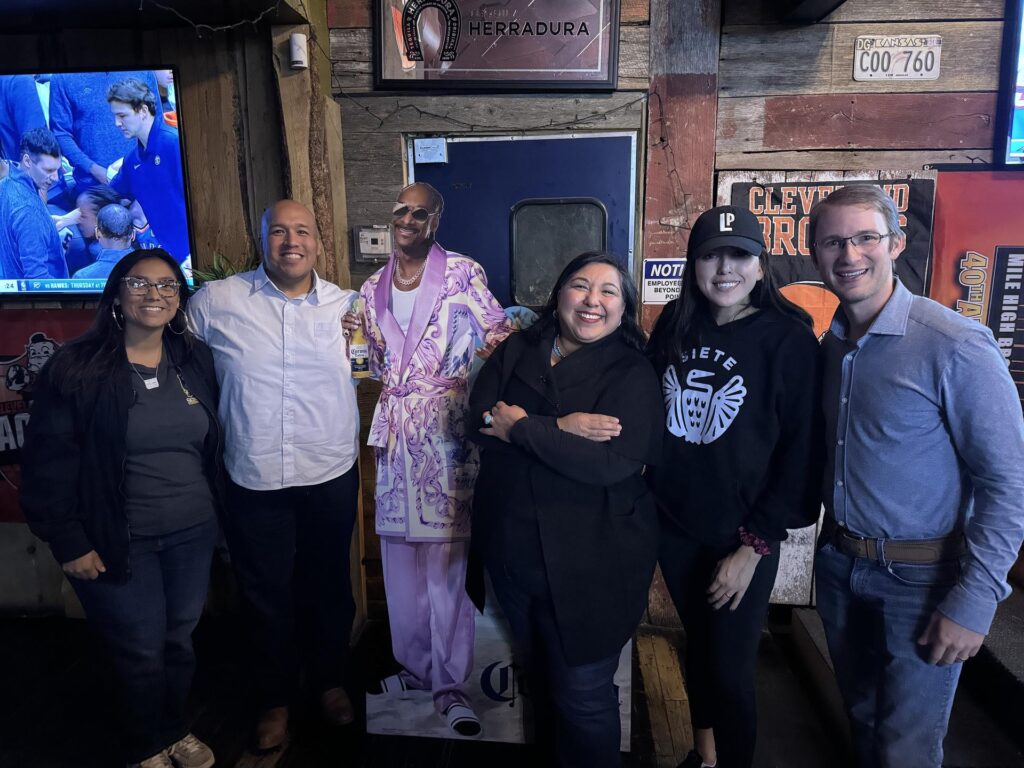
425 466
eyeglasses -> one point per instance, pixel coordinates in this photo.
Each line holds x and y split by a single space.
865 241
139 286
418 214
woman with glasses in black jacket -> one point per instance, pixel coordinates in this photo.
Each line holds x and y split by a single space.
119 477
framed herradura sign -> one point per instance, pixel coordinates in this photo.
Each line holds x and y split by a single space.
496 44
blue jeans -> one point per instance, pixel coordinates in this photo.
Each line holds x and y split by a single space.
575 708
873 613
146 626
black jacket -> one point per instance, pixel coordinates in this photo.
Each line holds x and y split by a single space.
74 454
595 517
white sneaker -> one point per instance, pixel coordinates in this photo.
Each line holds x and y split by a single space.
159 760
190 752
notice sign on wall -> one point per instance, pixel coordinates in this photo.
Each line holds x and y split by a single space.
978 260
662 280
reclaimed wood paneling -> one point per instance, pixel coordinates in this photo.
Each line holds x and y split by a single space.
766 12
261 127
511 112
352 59
680 160
852 159
684 43
349 13
635 11
929 121
762 61
215 152
634 58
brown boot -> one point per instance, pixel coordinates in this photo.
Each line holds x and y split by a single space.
337 707
271 732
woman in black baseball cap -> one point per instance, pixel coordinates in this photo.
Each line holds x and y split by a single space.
737 363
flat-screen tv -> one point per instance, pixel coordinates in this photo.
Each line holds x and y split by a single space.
1009 149
91 168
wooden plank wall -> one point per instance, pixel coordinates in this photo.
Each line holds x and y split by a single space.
374 155
788 101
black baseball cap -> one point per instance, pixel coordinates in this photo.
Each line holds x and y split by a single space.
724 226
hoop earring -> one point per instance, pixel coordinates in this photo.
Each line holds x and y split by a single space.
184 323
118 320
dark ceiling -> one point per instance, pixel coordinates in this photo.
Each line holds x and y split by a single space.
54 15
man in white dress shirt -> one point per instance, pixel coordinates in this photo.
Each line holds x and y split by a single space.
291 426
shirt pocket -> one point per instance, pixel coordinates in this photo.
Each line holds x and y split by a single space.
327 340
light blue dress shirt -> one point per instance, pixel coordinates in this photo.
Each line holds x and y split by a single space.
287 398
925 437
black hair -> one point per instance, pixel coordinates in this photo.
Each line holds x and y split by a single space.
135 93
680 326
100 195
99 352
116 221
631 331
38 141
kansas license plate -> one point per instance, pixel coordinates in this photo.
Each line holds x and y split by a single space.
897 57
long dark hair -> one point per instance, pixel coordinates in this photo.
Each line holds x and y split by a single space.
99 352
679 326
631 332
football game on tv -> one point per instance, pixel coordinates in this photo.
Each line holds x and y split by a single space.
91 168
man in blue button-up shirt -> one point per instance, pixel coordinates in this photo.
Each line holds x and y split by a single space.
923 486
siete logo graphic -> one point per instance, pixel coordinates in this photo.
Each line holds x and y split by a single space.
410 16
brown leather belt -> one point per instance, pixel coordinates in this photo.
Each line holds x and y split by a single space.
901 550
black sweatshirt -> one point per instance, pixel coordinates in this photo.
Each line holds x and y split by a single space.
742 431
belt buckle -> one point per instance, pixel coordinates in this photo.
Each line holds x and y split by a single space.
863 550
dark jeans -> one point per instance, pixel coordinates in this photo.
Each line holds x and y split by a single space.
146 625
721 646
290 549
575 708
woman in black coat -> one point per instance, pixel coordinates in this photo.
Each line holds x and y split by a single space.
119 477
568 413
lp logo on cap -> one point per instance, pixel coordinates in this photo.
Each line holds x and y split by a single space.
725 221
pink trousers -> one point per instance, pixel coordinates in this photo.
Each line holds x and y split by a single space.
431 616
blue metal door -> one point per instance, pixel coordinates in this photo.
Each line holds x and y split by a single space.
485 177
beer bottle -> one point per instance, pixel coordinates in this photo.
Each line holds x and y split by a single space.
358 348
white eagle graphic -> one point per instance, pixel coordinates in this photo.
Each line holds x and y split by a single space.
698 413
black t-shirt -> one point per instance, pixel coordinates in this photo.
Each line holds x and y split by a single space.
165 487
742 430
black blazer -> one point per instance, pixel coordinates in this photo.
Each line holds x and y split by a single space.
74 453
596 518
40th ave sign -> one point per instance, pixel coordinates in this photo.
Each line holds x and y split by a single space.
517 45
